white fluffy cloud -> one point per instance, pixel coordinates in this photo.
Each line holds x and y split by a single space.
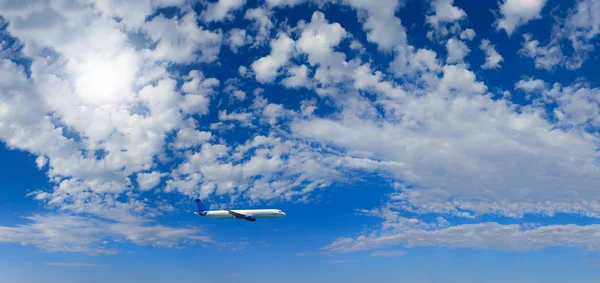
518 12
545 57
221 10
457 50
445 13
298 77
267 68
238 38
148 181
96 110
277 169
530 85
584 22
458 130
108 112
181 40
467 34
380 22
318 38
580 28
261 21
492 57
579 105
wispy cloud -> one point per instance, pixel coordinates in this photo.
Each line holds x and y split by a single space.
75 264
388 253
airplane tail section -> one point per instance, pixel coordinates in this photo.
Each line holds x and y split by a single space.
200 205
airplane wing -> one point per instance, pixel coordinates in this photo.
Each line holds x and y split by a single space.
236 215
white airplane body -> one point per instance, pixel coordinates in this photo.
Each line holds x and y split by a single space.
246 214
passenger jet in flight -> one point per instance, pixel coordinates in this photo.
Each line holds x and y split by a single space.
246 214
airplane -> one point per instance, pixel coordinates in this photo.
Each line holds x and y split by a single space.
246 214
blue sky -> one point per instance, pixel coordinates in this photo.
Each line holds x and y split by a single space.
424 141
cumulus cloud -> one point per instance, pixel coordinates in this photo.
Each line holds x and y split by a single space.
446 127
578 104
107 115
318 38
221 10
267 68
492 57
286 169
580 28
444 13
380 22
545 57
515 13
147 181
41 161
261 22
237 38
181 40
298 77
102 114
467 34
457 50
530 85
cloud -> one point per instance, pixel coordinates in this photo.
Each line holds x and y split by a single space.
261 22
277 169
188 137
545 57
65 233
266 68
444 11
457 50
147 181
74 264
424 134
100 112
584 23
280 3
467 34
380 22
40 162
518 12
492 58
318 38
578 104
487 235
445 14
580 28
221 10
298 78
180 40
238 38
530 85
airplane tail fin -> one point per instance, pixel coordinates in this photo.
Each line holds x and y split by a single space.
201 206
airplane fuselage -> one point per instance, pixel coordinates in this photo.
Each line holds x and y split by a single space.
246 214
256 213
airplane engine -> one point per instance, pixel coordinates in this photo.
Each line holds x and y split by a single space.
250 218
